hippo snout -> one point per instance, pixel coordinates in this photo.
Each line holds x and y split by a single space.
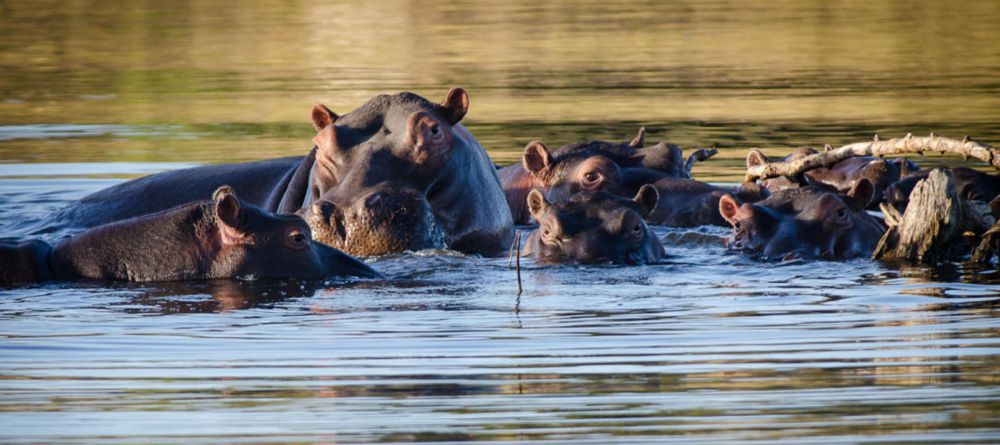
386 220
342 264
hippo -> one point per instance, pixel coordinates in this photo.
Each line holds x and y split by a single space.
402 137
692 203
224 237
881 173
392 218
756 157
594 227
811 221
971 185
592 165
841 176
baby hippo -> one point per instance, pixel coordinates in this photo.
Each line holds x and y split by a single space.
594 227
220 238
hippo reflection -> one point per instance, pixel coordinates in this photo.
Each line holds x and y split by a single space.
221 238
594 227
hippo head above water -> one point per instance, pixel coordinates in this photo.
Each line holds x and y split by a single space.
224 237
564 175
594 227
810 221
401 173
386 220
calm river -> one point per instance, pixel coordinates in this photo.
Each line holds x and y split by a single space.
709 347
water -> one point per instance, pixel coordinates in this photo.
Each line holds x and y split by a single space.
707 347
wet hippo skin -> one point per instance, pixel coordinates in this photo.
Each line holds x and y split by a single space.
969 184
811 222
841 176
389 137
220 238
597 165
594 227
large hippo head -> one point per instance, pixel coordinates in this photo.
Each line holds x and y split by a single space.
401 173
594 227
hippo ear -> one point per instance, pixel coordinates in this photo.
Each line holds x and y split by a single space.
228 208
728 208
220 192
537 157
647 198
455 105
322 117
755 157
537 204
861 194
640 139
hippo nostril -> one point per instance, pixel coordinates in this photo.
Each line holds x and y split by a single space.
738 244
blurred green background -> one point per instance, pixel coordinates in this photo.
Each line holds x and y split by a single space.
219 81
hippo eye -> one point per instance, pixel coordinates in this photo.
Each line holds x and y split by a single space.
298 238
637 230
842 213
435 130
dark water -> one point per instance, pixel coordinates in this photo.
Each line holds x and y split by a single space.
707 347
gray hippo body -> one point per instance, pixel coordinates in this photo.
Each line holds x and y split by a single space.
221 238
368 147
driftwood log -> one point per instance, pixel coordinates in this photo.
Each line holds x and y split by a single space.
937 226
966 147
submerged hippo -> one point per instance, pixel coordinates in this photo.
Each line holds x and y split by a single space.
756 157
619 168
221 238
842 176
594 227
970 185
811 222
401 137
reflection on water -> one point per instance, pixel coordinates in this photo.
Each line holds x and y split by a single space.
707 347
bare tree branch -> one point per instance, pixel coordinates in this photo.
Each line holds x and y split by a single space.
895 146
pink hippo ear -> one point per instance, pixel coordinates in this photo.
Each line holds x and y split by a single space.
229 213
322 117
640 139
755 157
861 194
537 157
647 198
455 105
537 204
728 208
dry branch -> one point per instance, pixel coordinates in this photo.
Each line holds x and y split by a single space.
876 147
